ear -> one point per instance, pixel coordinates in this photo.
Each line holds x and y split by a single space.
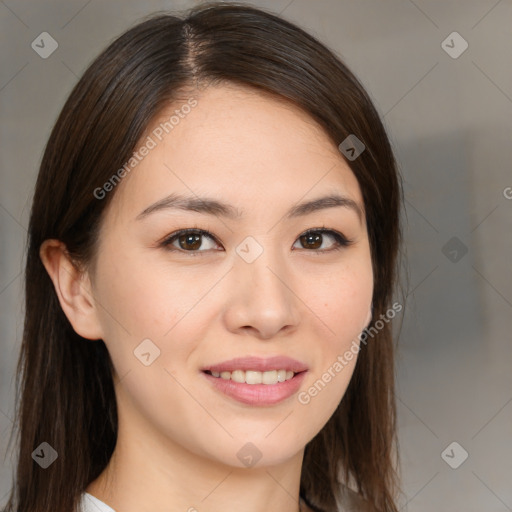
73 289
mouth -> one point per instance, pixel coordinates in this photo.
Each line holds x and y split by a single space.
256 381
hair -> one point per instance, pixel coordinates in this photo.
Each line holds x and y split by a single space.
64 382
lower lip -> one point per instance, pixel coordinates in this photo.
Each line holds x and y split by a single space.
258 394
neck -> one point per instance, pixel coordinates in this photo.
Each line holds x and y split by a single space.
155 473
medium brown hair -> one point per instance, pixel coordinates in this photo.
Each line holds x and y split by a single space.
64 385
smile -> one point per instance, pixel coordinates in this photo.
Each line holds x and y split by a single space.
254 377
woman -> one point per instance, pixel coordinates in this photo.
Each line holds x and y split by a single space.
212 256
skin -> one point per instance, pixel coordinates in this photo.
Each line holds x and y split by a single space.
178 436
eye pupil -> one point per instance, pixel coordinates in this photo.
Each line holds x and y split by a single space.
314 238
186 239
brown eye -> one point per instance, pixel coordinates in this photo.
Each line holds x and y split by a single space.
189 240
311 241
314 238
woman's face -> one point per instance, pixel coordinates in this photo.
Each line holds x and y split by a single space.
255 288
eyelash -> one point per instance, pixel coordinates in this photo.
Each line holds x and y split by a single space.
341 241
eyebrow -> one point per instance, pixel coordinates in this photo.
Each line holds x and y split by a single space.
211 206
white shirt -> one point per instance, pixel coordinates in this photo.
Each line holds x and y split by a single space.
90 503
350 502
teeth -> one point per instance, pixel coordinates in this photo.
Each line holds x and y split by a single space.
252 377
237 376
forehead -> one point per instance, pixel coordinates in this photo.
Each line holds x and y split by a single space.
253 150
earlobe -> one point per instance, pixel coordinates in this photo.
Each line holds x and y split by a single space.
72 288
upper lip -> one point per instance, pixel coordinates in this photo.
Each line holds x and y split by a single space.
258 364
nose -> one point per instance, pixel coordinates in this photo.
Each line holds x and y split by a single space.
262 301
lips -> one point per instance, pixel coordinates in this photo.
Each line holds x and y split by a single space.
258 395
258 364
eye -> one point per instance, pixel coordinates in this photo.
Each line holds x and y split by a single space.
314 238
189 240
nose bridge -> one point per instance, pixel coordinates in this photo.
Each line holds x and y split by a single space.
263 298
259 266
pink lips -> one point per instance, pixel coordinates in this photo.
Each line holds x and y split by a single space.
258 394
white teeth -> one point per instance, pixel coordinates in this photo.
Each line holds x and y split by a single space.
253 377
269 377
238 376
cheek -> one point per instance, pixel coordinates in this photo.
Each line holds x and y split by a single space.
349 311
140 299
343 302
140 302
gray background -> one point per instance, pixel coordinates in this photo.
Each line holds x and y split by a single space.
449 120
